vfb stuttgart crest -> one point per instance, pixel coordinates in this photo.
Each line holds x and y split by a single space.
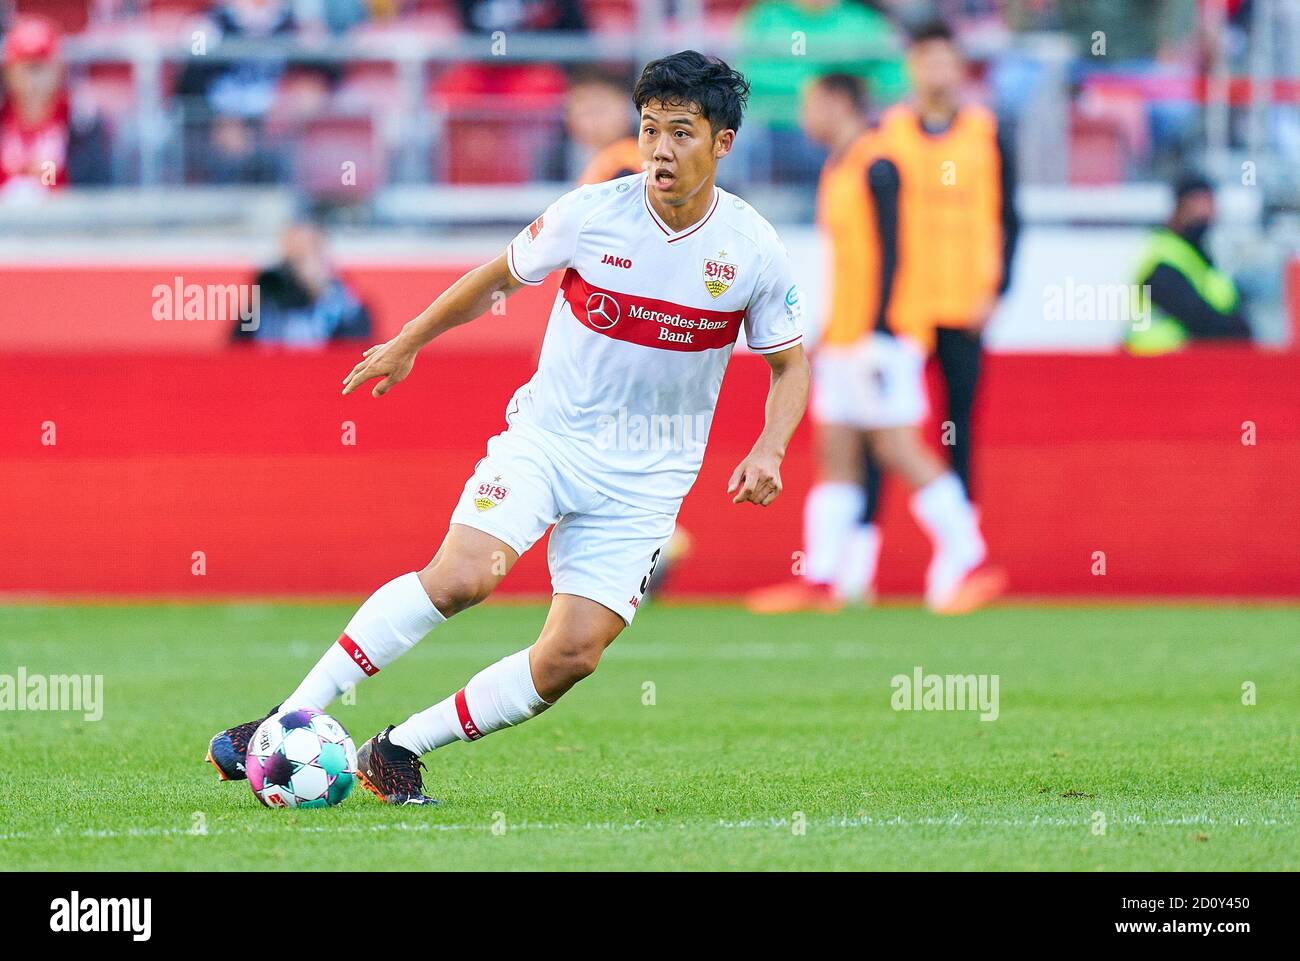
718 276
490 494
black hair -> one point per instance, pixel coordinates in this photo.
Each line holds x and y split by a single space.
854 89
932 30
689 78
1191 182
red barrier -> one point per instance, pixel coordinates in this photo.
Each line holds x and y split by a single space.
240 455
134 306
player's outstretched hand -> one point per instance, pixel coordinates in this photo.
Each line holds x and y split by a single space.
757 479
391 361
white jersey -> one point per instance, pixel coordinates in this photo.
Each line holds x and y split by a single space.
642 329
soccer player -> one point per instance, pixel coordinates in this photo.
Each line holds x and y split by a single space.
661 270
959 225
869 389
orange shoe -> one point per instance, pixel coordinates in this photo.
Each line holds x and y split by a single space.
792 596
976 589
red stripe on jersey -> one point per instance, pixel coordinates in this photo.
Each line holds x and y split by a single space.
649 322
514 269
466 722
358 656
784 343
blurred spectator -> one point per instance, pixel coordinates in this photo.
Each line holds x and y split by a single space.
601 125
235 155
336 16
831 34
241 88
1187 297
486 16
786 44
227 100
302 301
43 142
1126 29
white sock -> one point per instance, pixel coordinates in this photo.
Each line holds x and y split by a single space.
500 695
391 622
831 511
942 510
861 557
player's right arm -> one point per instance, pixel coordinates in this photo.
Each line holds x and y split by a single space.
543 246
469 297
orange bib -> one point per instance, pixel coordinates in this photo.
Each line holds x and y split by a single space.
950 218
619 159
847 218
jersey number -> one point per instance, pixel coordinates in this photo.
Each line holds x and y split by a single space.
645 581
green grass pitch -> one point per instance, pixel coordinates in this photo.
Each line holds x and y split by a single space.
1122 742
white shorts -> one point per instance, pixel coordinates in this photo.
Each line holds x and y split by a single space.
877 382
601 549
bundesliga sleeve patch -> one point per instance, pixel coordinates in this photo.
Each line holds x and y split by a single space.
534 229
793 305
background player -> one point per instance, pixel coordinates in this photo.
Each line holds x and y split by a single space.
661 269
958 226
870 390
601 127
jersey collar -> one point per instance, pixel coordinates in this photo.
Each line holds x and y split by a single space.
671 235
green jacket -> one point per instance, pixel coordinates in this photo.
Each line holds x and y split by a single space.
1165 333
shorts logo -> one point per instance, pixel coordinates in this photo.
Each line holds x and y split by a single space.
490 494
534 229
718 275
602 311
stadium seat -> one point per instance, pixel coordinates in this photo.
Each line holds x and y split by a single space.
1098 154
497 121
372 86
610 16
71 15
109 89
321 148
170 16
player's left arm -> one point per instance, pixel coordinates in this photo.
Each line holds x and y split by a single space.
757 478
1009 219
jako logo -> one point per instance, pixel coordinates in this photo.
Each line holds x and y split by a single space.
616 261
72 915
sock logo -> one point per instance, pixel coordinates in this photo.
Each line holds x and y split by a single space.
358 656
467 724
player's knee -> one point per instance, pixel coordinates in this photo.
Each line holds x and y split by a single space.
453 587
573 661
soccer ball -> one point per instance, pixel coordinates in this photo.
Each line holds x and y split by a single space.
301 759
